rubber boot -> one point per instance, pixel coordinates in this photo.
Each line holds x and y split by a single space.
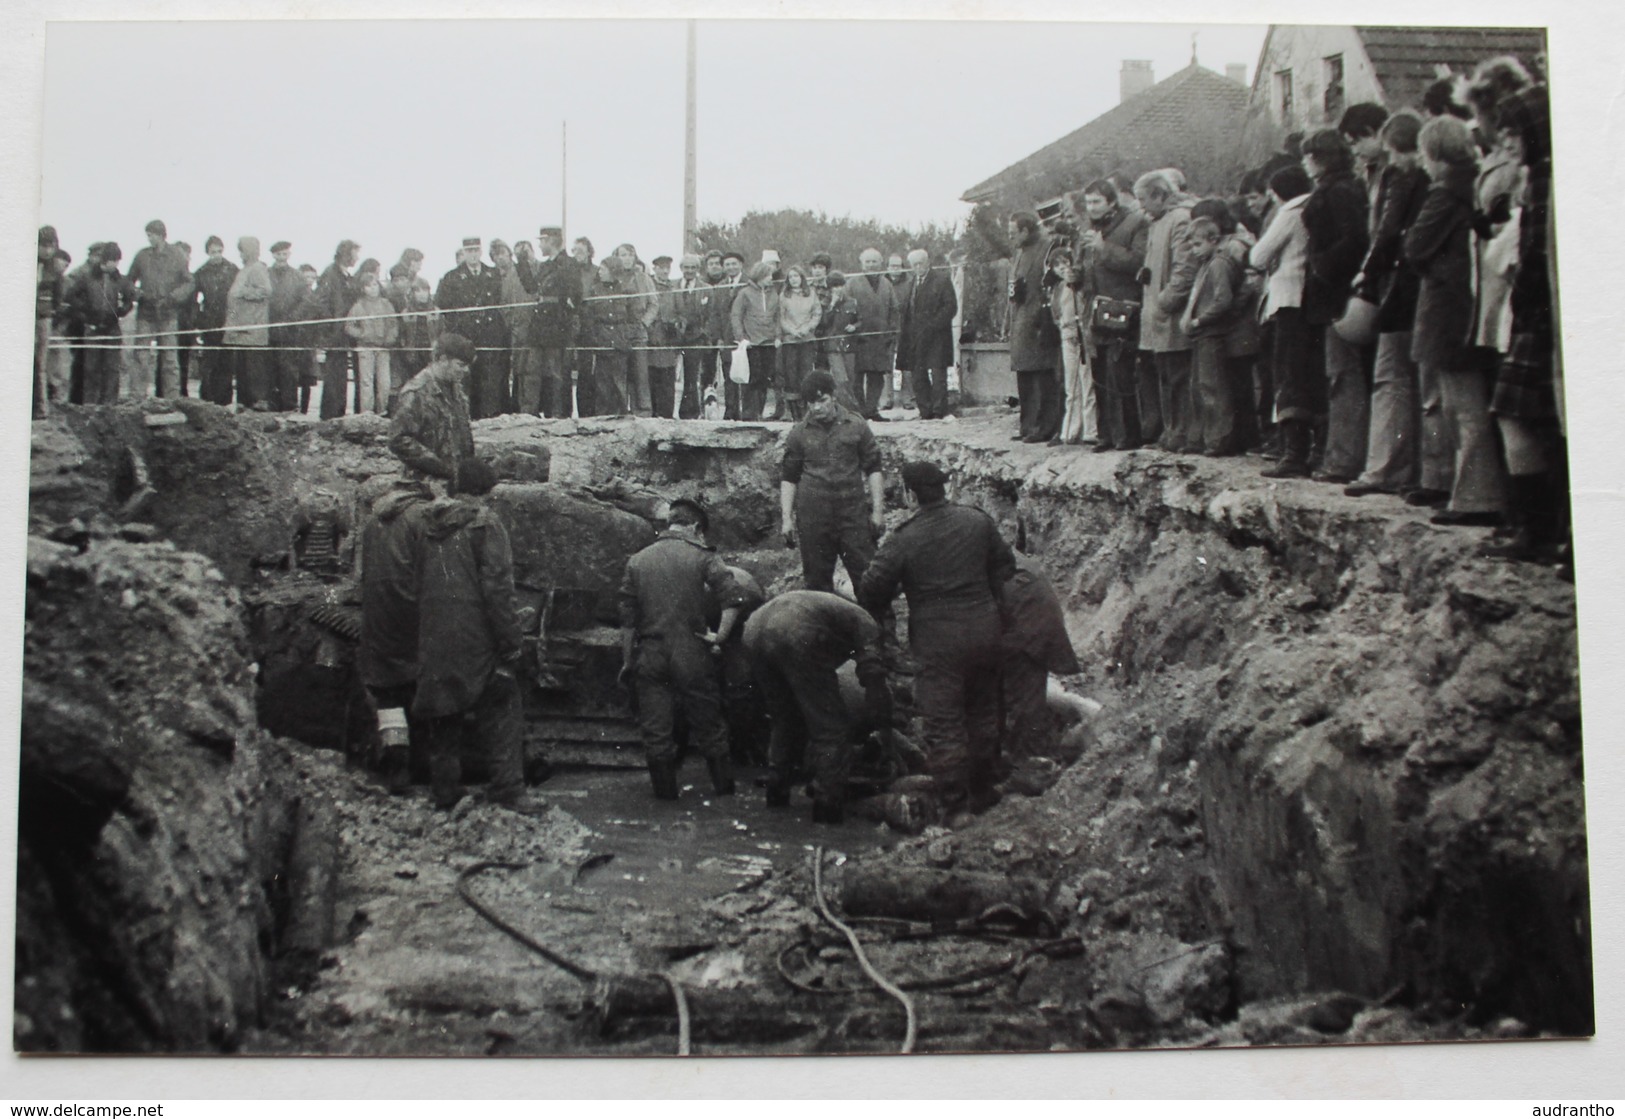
722 775
663 774
1294 451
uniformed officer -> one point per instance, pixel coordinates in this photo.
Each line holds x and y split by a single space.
951 564
469 296
796 642
831 463
558 303
667 650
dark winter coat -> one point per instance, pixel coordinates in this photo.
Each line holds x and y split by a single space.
926 333
668 585
1388 280
468 618
214 280
388 656
98 300
1033 348
1113 269
879 313
558 302
1439 245
337 293
1335 217
287 292
463 287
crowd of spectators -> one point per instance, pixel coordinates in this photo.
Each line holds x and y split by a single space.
1373 308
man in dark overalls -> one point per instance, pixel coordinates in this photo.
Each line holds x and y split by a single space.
831 464
667 650
796 642
951 564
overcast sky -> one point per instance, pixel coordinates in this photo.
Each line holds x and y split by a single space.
424 132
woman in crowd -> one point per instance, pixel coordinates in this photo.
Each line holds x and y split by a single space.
799 315
1527 405
755 321
1500 181
1336 219
1282 255
583 356
633 314
1439 245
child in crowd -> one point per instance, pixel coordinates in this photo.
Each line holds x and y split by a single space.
1209 315
1067 305
372 323
840 320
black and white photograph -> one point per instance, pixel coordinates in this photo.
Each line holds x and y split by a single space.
712 537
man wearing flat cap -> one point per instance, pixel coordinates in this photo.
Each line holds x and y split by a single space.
289 361
663 334
468 297
951 564
546 390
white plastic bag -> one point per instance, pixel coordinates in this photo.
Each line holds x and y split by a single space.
739 372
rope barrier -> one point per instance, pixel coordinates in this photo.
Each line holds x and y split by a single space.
532 303
204 347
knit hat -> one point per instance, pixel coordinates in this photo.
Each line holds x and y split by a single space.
836 279
111 252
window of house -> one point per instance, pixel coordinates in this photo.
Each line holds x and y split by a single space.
1283 93
1334 89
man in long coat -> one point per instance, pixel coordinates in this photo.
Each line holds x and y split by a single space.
552 329
879 314
925 344
468 297
337 290
1034 344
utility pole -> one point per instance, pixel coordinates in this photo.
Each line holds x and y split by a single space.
564 176
690 174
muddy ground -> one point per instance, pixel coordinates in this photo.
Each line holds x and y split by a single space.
1335 794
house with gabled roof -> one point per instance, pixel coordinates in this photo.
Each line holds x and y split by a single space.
1190 119
1307 75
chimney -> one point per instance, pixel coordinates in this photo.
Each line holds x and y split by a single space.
1236 72
1136 77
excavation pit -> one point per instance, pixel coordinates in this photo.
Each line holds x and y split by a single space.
1335 793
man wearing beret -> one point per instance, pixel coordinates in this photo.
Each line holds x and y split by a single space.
831 463
468 297
951 564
